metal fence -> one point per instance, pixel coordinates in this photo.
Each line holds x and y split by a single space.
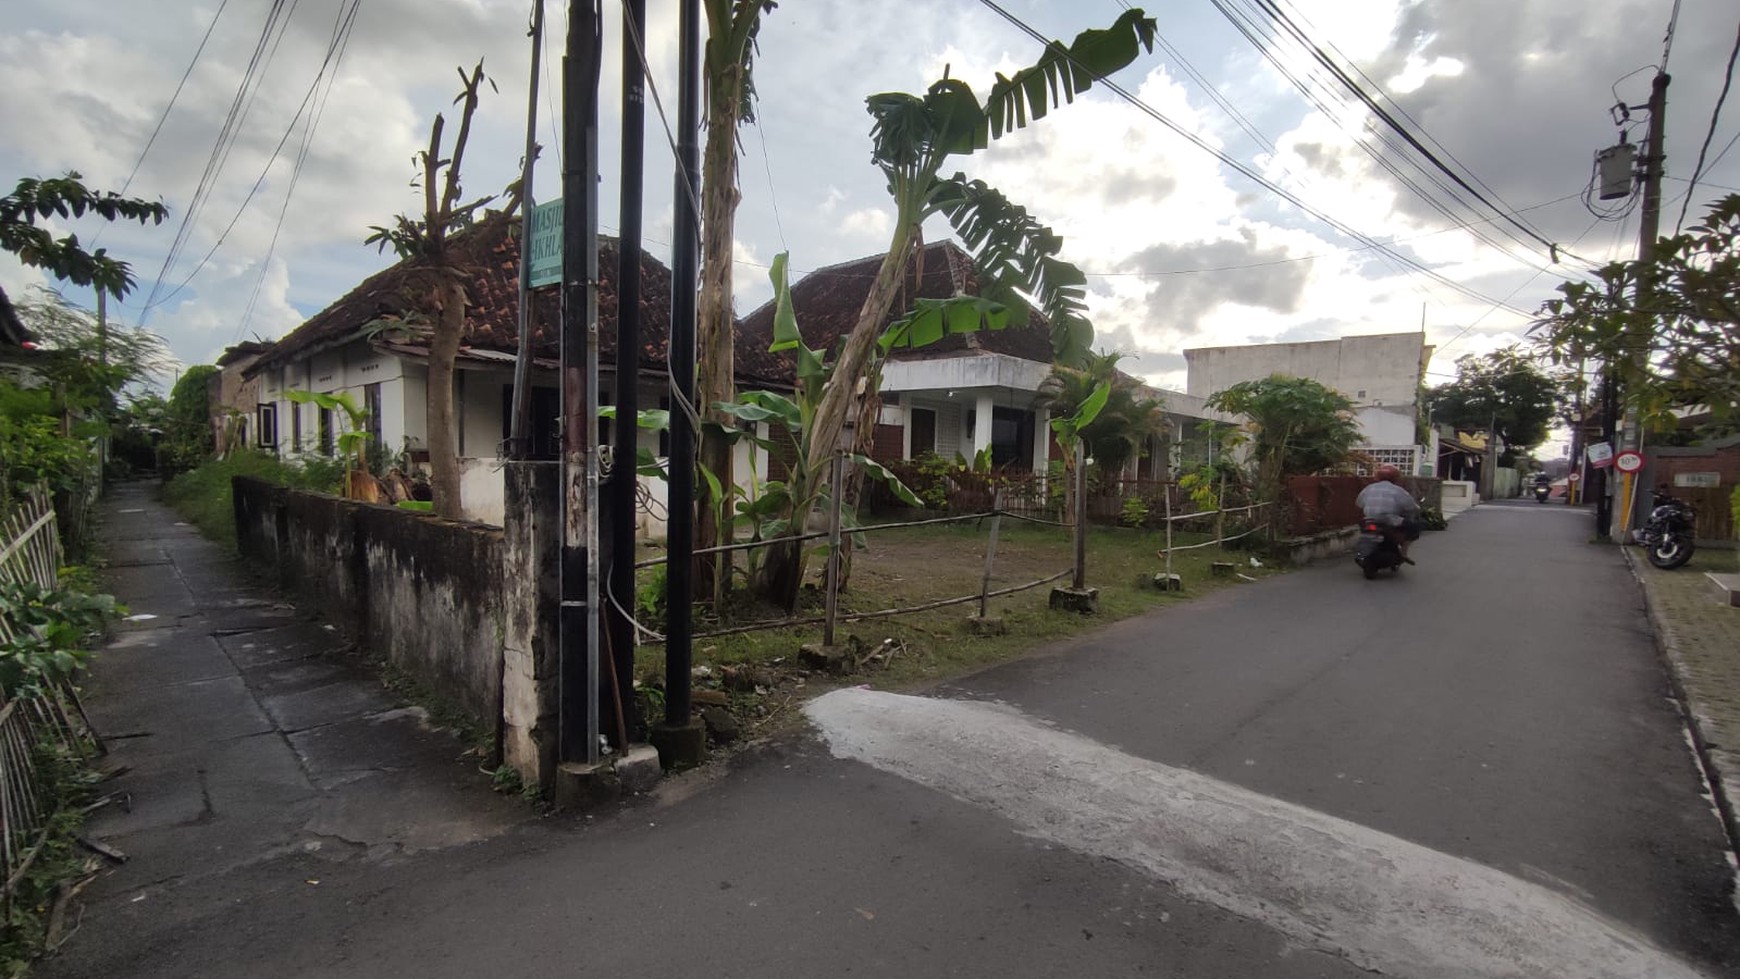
30 552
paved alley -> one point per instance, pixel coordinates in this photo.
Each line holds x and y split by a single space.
1496 715
248 732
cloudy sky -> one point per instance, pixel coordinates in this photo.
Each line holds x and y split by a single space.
1181 249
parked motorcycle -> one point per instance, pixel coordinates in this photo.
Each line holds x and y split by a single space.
1669 533
1377 548
1542 491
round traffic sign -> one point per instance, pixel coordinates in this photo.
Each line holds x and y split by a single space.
1574 477
1628 461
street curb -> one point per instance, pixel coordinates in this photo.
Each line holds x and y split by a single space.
1719 776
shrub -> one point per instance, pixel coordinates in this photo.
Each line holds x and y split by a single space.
204 497
1135 512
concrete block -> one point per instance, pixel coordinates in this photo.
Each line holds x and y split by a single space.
987 625
680 747
827 659
581 786
1223 569
1085 601
1166 582
638 768
1727 587
722 727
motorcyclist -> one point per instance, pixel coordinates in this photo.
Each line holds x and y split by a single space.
1387 502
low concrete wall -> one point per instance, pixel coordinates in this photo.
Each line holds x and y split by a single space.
1303 550
423 592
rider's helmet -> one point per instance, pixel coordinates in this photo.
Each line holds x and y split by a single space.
1389 473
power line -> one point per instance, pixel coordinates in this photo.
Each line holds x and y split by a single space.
341 28
1359 92
174 96
239 106
1247 171
1513 293
1710 134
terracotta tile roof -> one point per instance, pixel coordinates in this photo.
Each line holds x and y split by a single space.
827 302
490 253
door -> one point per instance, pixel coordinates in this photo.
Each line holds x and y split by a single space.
923 424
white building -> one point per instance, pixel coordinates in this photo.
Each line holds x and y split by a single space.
1382 375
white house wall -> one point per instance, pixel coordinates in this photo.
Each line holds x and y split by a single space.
1370 370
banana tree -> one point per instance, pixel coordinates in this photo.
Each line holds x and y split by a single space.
732 26
353 441
913 137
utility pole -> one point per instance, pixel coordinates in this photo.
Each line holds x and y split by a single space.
1654 156
682 742
578 726
624 475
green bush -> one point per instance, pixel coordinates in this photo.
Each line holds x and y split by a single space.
51 628
203 494
1135 512
1431 518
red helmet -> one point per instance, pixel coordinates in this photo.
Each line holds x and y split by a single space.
1389 473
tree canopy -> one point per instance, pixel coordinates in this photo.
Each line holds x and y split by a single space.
35 199
1505 390
1668 329
1297 426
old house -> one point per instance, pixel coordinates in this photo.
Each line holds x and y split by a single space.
966 393
234 397
374 342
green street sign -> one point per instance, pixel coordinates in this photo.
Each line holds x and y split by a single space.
547 244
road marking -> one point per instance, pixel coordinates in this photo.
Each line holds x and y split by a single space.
1382 902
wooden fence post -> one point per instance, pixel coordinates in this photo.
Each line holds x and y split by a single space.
991 553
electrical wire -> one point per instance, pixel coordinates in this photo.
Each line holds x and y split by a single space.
1249 173
1513 293
1710 133
258 61
1322 57
342 26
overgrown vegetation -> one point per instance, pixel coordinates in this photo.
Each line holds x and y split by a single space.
65 786
52 630
204 497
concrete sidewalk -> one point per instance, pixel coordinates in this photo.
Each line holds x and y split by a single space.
249 732
1699 636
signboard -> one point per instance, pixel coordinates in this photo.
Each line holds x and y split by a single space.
546 250
1600 455
1628 461
1575 477
1697 480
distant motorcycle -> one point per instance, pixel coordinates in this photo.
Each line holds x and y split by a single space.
1542 491
1377 547
1669 533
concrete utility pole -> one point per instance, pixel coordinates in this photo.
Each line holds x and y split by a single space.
1654 155
578 727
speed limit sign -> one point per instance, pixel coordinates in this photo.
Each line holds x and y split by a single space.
1628 461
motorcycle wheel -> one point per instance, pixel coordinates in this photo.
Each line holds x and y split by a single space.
1670 552
1370 572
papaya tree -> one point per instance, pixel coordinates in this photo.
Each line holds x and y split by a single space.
912 139
728 60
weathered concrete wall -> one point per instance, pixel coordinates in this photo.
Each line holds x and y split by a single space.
531 580
423 592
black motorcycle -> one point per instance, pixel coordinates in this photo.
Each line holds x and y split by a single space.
1668 535
1542 491
1377 548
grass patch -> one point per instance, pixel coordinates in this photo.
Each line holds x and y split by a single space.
64 784
911 566
203 496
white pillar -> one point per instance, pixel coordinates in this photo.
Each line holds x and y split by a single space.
1041 440
982 424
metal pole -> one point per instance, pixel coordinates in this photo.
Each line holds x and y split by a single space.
1168 495
685 274
1220 513
991 553
517 447
1080 580
624 477
578 725
836 484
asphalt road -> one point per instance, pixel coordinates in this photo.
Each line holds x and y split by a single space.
1501 703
